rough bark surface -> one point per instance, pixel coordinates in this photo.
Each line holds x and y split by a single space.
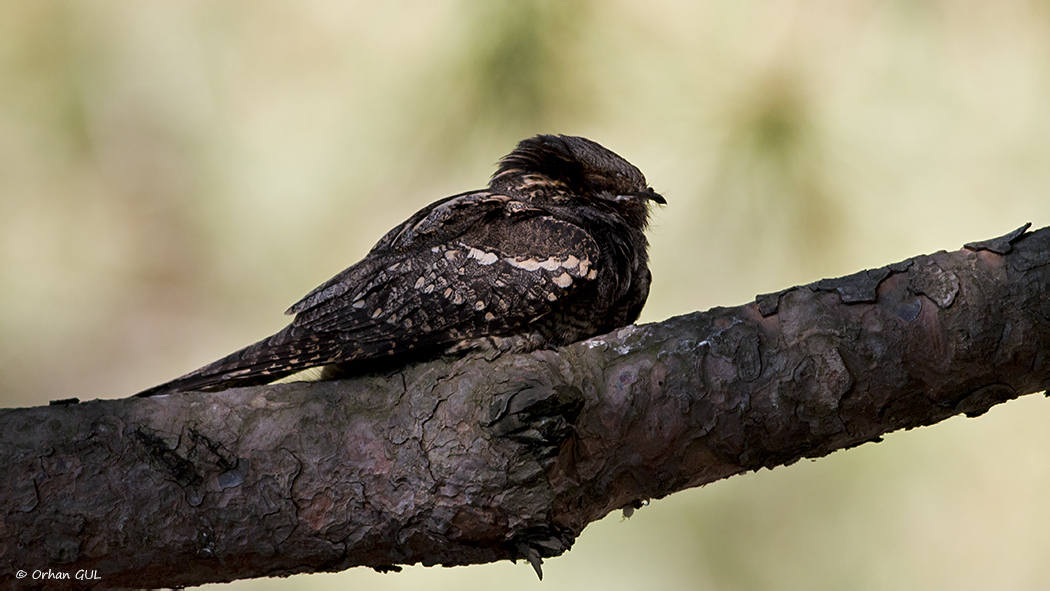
472 461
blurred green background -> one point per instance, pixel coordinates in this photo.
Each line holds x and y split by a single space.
174 175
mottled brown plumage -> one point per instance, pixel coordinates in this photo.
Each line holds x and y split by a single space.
552 252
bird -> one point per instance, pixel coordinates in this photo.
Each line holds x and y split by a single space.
553 251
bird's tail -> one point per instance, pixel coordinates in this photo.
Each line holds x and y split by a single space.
270 359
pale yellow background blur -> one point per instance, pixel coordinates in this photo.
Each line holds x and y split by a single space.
174 175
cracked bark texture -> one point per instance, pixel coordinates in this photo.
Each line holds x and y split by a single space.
474 460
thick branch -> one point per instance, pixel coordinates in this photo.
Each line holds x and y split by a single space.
474 460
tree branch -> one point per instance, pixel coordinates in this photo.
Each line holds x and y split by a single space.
474 460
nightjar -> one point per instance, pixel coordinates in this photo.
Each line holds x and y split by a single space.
553 251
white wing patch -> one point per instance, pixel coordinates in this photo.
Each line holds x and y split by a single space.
483 258
553 264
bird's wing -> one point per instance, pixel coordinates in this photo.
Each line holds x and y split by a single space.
492 279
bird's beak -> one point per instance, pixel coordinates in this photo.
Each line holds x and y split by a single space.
654 196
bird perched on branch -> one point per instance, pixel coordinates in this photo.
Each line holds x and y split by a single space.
552 252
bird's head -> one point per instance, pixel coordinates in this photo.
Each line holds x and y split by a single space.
565 166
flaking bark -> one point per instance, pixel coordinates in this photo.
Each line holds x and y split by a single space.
475 460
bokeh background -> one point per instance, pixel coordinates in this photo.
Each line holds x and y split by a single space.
174 175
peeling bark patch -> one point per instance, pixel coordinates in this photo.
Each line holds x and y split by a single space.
1002 244
769 302
64 402
856 288
824 380
1031 252
233 477
23 495
901 266
981 400
834 376
900 300
937 284
748 358
908 311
